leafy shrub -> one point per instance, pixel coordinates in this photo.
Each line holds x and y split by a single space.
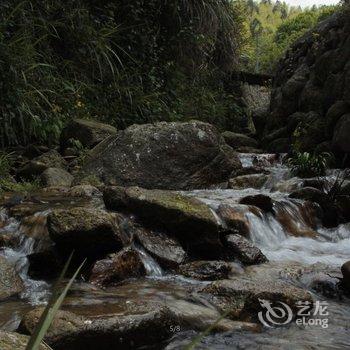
121 62
309 165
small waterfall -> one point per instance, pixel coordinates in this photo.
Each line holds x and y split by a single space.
152 267
35 291
265 230
128 230
294 238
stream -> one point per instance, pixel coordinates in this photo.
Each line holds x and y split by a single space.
313 254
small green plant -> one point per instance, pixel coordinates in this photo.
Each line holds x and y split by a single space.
52 307
7 184
304 164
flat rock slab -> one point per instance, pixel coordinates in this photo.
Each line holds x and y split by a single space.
241 297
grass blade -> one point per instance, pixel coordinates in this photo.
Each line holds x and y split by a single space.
52 307
199 337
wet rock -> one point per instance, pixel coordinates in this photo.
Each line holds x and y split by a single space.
189 220
12 340
248 181
326 285
56 177
206 270
251 170
330 212
298 220
38 165
115 197
345 270
126 264
85 191
35 227
71 332
343 205
265 160
241 248
163 155
200 318
10 282
234 217
87 230
261 201
8 240
315 182
311 194
289 185
65 324
164 248
241 296
239 140
88 132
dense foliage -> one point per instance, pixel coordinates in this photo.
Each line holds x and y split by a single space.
272 27
123 62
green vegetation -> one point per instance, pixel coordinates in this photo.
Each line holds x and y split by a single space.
309 165
7 183
134 61
121 62
272 27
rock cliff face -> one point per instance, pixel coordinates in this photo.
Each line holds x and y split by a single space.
310 101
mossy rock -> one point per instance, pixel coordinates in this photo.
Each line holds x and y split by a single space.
88 231
187 218
88 132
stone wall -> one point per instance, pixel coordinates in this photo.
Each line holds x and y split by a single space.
310 104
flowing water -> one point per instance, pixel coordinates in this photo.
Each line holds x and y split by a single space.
291 239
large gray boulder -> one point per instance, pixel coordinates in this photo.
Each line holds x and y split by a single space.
164 156
56 177
88 132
